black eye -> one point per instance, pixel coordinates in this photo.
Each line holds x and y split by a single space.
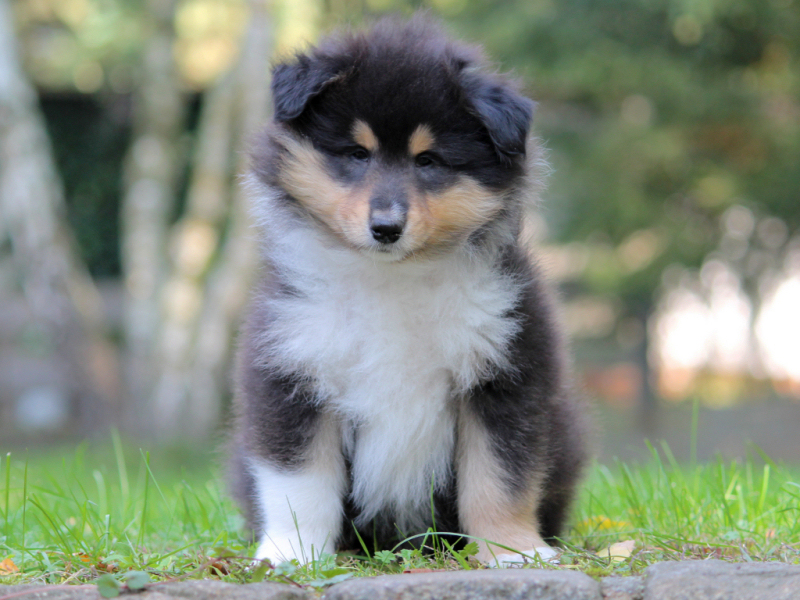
359 154
425 160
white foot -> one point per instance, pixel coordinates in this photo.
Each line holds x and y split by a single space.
277 550
544 554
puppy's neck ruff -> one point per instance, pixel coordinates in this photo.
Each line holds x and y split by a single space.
458 304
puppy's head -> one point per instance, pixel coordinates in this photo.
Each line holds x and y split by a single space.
395 140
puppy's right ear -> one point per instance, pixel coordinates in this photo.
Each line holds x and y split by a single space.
295 84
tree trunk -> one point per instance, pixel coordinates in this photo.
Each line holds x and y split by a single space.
151 170
194 245
188 284
213 250
59 292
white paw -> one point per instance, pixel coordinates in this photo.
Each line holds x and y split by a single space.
277 549
543 554
271 553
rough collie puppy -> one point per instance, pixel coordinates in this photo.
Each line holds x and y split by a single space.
399 364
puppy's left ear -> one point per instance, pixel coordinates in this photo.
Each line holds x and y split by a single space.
504 112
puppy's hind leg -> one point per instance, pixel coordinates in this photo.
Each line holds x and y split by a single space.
301 506
493 507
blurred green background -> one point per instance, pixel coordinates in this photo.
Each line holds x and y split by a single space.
670 226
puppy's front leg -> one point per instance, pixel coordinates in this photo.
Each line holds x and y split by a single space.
301 507
494 503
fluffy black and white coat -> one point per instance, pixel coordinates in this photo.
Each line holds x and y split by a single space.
400 349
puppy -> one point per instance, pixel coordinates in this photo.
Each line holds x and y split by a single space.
399 367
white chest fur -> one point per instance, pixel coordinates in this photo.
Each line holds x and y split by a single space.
390 347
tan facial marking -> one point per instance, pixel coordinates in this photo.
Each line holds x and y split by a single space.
486 506
364 136
421 140
345 211
434 222
439 220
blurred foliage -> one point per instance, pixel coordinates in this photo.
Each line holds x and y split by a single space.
90 138
660 115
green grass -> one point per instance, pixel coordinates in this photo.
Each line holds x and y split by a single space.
735 510
72 516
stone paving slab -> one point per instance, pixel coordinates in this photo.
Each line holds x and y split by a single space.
50 593
686 580
510 584
184 590
718 580
622 588
212 590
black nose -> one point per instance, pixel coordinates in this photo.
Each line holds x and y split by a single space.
385 231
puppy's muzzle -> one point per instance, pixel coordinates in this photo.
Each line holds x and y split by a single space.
387 219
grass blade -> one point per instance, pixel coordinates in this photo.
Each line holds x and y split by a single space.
122 469
143 522
8 495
